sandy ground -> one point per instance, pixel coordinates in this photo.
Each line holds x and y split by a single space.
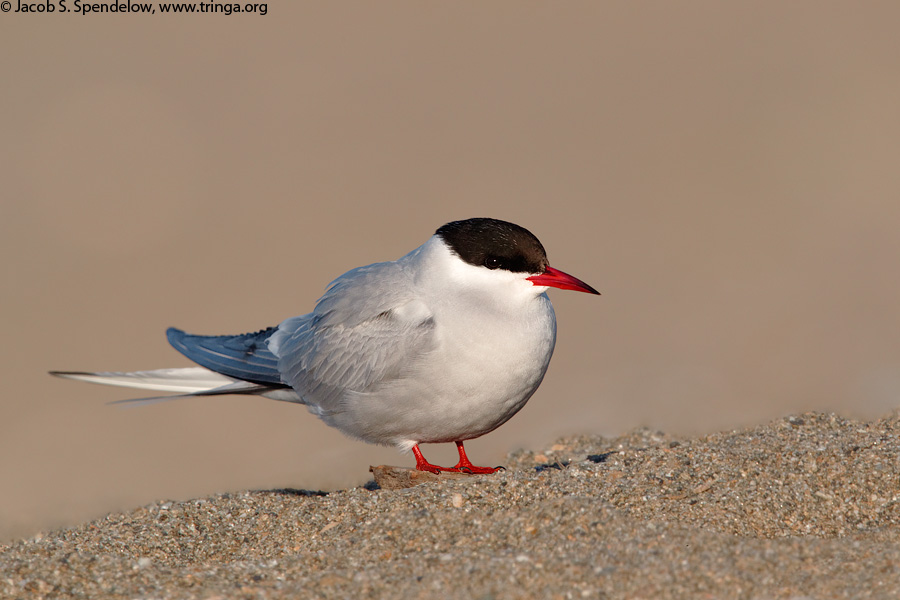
804 507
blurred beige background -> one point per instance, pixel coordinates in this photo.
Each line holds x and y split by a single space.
726 174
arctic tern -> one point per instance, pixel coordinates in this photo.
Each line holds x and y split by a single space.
442 345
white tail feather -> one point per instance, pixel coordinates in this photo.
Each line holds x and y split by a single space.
188 380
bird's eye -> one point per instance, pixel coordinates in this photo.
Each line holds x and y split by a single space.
492 262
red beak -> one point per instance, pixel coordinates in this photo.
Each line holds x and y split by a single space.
555 278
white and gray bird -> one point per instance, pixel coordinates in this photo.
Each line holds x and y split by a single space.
442 345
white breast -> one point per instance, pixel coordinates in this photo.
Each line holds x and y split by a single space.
493 339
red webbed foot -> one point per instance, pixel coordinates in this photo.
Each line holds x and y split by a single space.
463 466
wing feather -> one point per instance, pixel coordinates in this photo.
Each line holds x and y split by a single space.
367 329
244 356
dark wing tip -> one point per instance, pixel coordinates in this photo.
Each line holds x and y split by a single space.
68 373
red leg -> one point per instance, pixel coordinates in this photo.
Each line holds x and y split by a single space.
465 466
424 465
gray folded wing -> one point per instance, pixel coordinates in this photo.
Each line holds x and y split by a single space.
367 329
